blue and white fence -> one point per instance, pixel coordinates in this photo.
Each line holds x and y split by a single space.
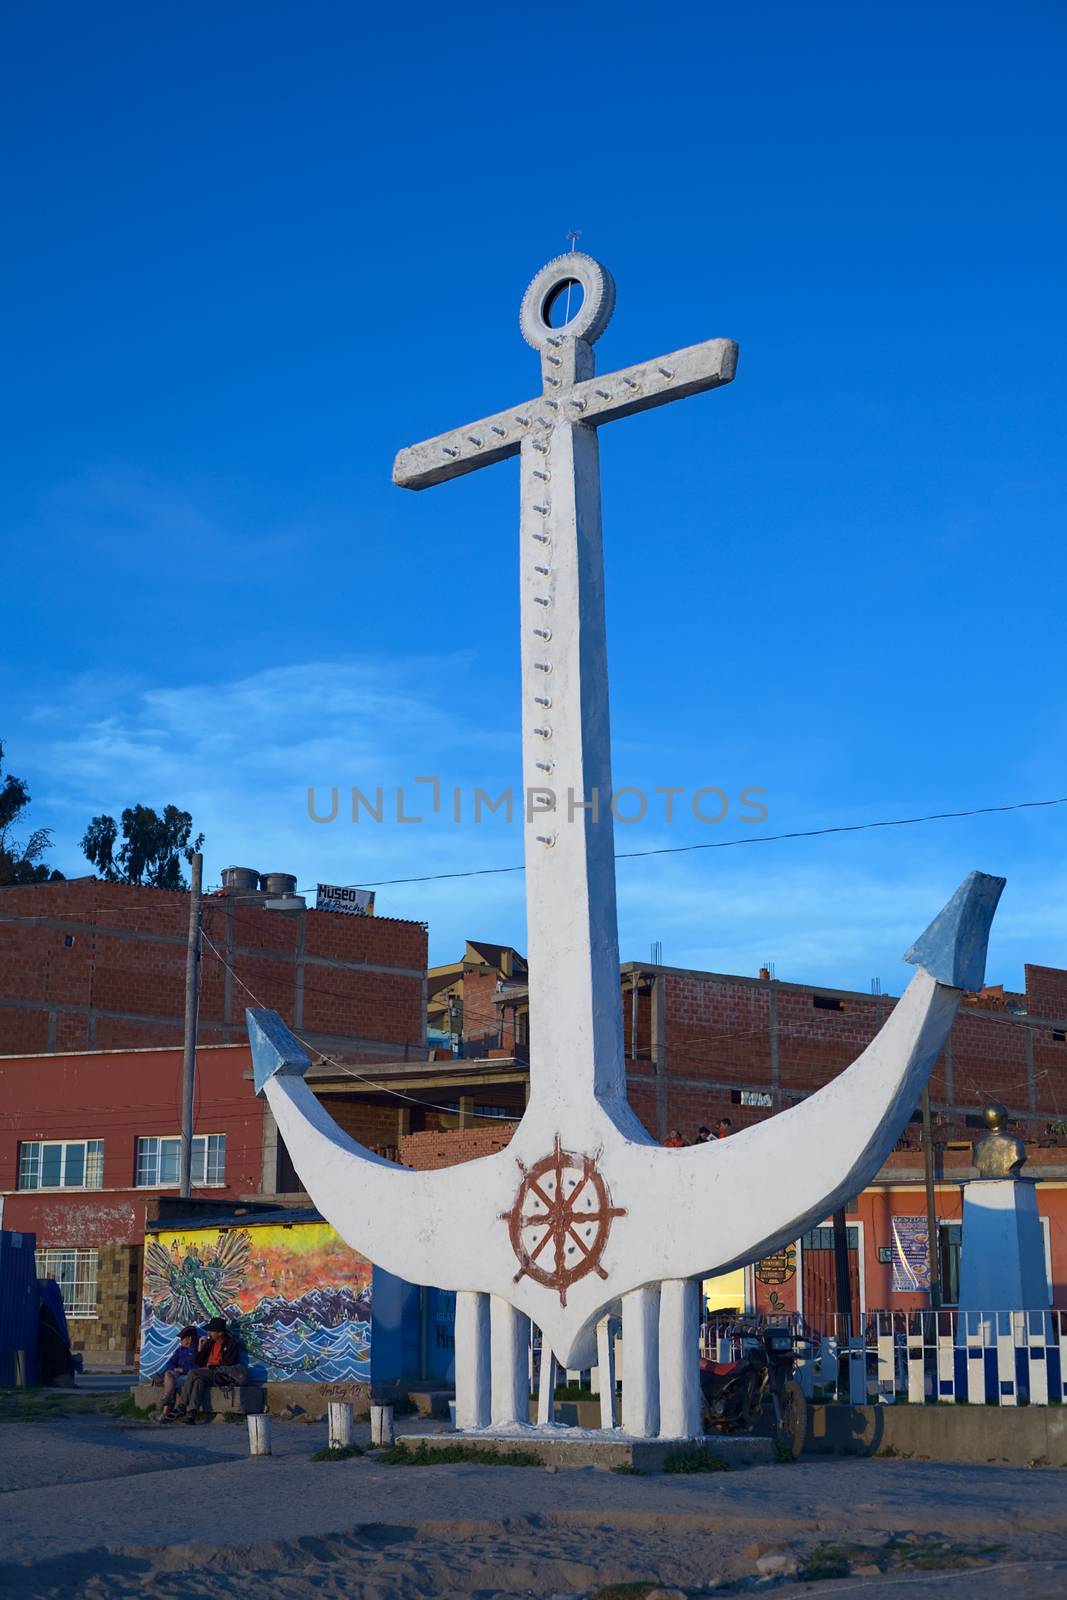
1004 1358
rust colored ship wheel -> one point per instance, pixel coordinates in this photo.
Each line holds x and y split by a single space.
560 1221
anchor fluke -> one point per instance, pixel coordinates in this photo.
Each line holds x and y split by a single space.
953 948
275 1049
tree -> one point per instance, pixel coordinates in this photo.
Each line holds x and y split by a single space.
20 861
152 847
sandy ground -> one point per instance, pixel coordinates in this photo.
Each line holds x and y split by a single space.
92 1508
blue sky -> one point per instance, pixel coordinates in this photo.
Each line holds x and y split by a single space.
253 250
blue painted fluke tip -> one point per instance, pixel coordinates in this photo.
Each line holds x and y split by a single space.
953 948
274 1048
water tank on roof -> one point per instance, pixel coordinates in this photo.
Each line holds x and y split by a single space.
241 879
279 883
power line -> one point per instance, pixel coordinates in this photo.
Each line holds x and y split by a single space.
728 844
381 1088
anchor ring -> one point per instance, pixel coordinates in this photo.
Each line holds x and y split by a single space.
591 318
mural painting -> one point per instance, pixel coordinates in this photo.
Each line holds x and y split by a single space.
298 1296
776 1282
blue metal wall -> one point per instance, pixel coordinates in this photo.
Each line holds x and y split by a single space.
395 1345
18 1304
441 1335
413 1332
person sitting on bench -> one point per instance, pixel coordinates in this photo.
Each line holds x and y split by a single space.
178 1369
219 1365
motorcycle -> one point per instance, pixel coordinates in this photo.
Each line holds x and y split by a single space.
736 1394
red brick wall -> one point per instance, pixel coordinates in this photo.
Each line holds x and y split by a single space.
377 1127
715 1029
119 1097
481 1018
642 1098
718 1038
121 982
1046 991
425 1151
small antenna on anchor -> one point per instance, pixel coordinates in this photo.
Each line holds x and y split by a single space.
573 235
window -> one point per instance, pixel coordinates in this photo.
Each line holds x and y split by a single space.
750 1097
62 1164
823 1239
950 1238
159 1161
827 1002
75 1272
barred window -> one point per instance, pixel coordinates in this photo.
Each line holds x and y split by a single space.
61 1164
823 1239
75 1271
159 1161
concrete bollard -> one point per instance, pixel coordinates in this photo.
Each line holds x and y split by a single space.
340 1415
382 1431
259 1435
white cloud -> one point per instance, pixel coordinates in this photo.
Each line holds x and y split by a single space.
241 754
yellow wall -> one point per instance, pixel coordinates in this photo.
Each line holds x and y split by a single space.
726 1293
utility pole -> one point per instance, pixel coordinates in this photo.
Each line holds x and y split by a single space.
192 980
842 1275
933 1242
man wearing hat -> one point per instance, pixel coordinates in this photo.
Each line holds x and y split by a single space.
219 1365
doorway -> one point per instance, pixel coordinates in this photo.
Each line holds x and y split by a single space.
817 1275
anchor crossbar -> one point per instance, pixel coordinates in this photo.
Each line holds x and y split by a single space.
596 400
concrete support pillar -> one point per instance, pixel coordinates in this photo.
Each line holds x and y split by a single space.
547 1378
509 1339
472 1360
640 1362
679 1359
605 1360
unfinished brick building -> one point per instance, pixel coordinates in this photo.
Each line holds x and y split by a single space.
86 965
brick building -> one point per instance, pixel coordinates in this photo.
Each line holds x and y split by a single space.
92 992
466 1001
89 1149
86 965
702 1045
698 1046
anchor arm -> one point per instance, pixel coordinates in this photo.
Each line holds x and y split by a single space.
653 383
817 1154
450 455
421 1226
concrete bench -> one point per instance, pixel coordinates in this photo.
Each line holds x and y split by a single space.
250 1399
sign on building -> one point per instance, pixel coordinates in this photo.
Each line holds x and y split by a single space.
911 1254
336 897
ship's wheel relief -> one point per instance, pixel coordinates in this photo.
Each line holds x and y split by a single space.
561 1219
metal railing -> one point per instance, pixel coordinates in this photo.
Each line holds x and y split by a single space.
1003 1358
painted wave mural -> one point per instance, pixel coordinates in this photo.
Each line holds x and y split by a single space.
297 1296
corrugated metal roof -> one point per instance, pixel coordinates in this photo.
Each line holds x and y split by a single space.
282 1218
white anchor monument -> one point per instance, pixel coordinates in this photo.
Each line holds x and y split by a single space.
584 1212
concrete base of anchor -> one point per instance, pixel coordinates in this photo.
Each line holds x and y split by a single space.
573 1447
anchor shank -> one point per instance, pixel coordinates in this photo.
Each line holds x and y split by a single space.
572 939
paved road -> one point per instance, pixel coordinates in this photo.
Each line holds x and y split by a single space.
94 1509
